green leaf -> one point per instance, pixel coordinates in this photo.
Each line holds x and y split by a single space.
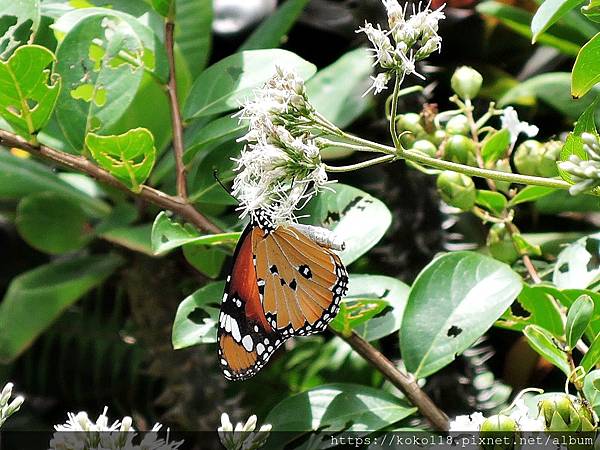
36 298
356 217
453 301
495 146
355 312
530 194
167 235
271 32
162 6
52 223
543 311
549 12
553 89
98 85
216 132
193 30
591 390
592 10
576 267
592 356
586 71
136 238
578 319
342 102
395 294
564 38
28 90
154 55
547 346
222 86
334 407
197 316
206 260
22 20
490 200
129 157
23 176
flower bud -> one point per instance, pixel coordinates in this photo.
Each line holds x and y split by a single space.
15 405
6 393
460 149
458 125
426 147
550 154
503 165
456 190
528 157
410 122
438 137
562 412
499 423
501 245
466 82
501 429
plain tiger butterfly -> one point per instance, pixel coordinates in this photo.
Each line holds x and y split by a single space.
285 281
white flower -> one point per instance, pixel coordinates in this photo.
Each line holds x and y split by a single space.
520 413
79 432
7 408
243 437
379 83
510 121
382 46
471 422
280 168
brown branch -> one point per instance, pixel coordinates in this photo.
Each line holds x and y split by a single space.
176 123
402 381
81 164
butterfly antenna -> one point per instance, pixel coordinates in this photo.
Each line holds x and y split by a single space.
216 176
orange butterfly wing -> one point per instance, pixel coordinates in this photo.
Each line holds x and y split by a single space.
301 282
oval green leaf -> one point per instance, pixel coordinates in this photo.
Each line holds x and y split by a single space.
578 319
546 345
592 356
453 301
549 12
586 71
224 85
358 218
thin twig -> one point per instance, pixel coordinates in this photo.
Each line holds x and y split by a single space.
81 164
402 381
176 123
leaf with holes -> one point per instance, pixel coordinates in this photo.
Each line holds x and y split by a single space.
197 316
167 235
354 312
36 298
453 301
28 89
358 218
577 265
20 19
98 84
129 157
394 292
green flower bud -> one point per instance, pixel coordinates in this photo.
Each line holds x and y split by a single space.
460 149
501 245
456 189
425 146
458 125
410 122
438 137
503 165
498 432
466 82
528 157
550 154
562 412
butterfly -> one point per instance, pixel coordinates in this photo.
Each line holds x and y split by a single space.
285 281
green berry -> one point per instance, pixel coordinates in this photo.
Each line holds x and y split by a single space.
456 190
500 244
426 147
460 149
458 125
466 82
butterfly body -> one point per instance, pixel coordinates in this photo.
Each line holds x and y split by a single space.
285 281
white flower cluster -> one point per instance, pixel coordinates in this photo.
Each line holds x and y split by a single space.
243 437
510 121
79 432
8 409
585 173
414 39
280 168
519 413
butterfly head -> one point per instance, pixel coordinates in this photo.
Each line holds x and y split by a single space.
260 218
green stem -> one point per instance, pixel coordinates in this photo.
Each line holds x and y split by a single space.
357 148
361 165
393 112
